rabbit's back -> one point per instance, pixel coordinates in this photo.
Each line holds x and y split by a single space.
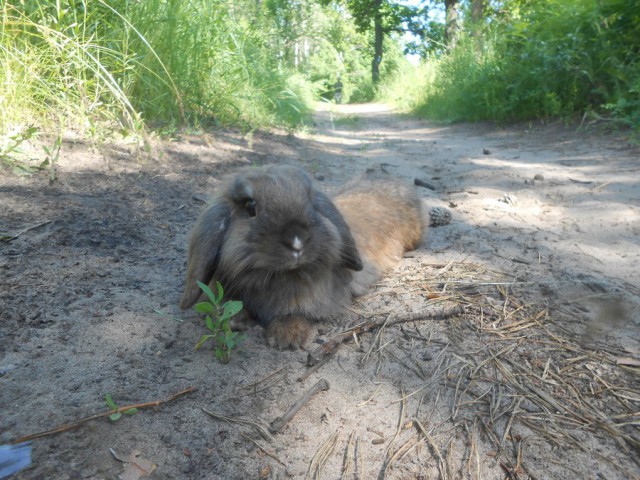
386 219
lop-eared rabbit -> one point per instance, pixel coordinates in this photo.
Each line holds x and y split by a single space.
292 254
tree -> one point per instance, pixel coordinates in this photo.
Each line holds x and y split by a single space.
477 10
383 17
452 25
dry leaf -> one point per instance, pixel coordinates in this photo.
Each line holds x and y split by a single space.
137 467
265 472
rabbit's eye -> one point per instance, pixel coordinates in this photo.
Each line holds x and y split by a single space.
250 207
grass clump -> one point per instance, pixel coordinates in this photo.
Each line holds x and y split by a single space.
12 153
66 65
220 61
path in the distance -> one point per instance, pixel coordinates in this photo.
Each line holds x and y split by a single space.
553 206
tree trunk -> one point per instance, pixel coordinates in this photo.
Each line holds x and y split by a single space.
477 18
477 10
377 42
452 27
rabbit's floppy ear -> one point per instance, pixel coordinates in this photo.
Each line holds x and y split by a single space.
207 239
348 252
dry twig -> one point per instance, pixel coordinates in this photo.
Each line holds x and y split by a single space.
331 346
322 456
279 423
70 426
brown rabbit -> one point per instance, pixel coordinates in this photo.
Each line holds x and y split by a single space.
290 253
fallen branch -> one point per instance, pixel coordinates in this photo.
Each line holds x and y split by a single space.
71 426
327 349
279 423
9 238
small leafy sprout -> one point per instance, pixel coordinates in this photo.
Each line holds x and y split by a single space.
12 153
113 406
218 316
53 155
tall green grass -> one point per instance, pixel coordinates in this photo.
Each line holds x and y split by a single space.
554 58
91 65
219 57
55 68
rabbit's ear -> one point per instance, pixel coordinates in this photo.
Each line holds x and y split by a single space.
348 253
204 250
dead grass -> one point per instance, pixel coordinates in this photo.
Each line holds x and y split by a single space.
529 375
527 382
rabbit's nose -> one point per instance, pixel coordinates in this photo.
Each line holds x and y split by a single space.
296 244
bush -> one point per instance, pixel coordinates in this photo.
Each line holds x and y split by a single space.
550 59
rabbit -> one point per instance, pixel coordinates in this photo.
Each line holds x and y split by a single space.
293 255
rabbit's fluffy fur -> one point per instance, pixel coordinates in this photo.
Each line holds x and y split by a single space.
292 254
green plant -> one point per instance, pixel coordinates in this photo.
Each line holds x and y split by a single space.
12 154
53 154
107 68
218 316
543 59
117 413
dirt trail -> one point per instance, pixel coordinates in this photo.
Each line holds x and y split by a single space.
539 377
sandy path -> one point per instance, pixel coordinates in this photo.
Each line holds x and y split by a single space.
575 232
538 378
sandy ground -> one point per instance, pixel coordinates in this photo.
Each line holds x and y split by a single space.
537 375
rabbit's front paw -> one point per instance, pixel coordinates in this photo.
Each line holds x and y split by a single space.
289 332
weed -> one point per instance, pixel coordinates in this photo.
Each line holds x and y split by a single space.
117 414
218 316
12 154
53 154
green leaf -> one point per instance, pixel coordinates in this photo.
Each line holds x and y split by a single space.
115 416
203 339
205 308
220 292
110 402
208 292
209 322
231 308
131 411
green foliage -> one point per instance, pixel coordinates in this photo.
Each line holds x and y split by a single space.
116 415
548 59
116 67
58 61
121 64
12 154
392 14
221 60
218 316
